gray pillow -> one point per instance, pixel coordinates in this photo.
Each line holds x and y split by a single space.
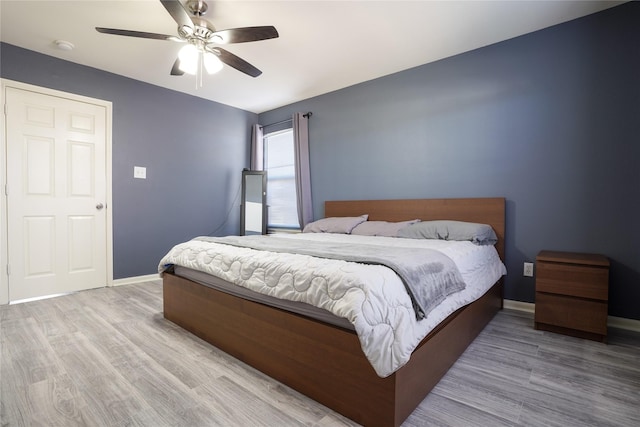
335 224
480 234
381 228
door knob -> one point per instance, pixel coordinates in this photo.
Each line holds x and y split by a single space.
99 206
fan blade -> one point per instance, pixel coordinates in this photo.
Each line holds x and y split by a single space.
140 34
246 34
236 62
175 70
177 12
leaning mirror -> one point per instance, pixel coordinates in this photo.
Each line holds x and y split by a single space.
253 210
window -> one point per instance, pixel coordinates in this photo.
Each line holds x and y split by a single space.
281 185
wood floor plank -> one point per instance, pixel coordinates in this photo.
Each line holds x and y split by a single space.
107 357
173 401
110 396
179 361
607 397
50 318
500 362
475 388
64 406
450 412
229 399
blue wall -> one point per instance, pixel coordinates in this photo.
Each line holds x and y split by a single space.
549 120
194 151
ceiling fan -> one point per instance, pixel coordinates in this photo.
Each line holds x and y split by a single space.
202 40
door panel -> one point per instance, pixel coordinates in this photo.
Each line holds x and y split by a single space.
81 169
56 174
39 245
81 230
39 166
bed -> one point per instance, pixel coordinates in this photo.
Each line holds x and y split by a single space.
325 361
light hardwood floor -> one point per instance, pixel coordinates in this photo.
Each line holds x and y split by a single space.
107 357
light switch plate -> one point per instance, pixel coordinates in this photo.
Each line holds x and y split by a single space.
140 172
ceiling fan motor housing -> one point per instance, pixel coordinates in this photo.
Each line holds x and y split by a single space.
197 7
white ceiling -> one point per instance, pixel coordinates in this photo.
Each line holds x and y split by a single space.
323 45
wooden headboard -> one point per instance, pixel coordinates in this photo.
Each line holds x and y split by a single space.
481 210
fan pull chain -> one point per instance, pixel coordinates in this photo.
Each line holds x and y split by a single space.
200 69
198 72
200 64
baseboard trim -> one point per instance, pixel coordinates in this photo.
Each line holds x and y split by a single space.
136 279
612 321
624 323
520 306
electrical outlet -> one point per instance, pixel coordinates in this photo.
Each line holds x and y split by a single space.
528 269
140 172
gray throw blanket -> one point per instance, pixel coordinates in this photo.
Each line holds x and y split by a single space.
428 275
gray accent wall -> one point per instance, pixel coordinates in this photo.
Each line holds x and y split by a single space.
194 151
549 120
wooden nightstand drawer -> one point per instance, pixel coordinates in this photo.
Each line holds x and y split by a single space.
571 313
572 293
576 280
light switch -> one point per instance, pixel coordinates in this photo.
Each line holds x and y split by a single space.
140 172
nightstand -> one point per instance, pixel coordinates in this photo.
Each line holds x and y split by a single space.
572 294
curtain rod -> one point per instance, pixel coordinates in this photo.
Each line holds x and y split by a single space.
305 115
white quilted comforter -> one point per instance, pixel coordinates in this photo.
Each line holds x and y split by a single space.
371 297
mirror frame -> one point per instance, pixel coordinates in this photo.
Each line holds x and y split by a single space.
246 173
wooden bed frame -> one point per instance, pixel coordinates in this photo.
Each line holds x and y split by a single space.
326 362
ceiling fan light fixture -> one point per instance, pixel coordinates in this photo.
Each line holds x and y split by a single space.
188 56
199 54
212 63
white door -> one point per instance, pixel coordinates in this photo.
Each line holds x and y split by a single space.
56 194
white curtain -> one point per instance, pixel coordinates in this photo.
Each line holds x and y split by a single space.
257 149
303 175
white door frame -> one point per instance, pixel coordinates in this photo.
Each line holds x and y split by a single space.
4 84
